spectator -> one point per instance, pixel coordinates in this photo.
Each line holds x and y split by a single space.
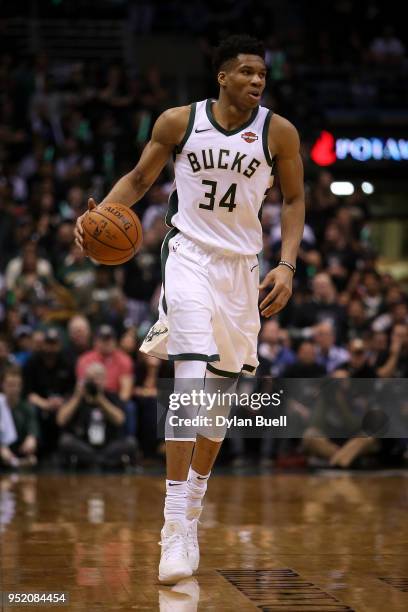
27 269
37 341
48 379
339 257
377 348
79 338
329 355
322 306
77 273
72 163
332 434
357 321
74 204
306 364
119 367
120 314
92 421
357 365
16 235
6 359
61 243
397 314
274 357
372 296
18 423
128 343
23 342
102 292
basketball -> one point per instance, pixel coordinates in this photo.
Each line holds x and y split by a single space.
112 234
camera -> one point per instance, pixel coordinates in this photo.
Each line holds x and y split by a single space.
91 388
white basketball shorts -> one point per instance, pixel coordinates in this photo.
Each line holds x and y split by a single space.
208 307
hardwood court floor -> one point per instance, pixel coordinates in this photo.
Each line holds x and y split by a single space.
281 542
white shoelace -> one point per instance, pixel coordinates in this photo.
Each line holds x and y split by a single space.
192 532
173 545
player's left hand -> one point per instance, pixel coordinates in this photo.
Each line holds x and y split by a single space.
281 278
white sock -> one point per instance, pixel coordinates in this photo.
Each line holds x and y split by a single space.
196 488
176 500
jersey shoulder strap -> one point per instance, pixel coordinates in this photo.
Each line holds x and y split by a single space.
193 111
264 117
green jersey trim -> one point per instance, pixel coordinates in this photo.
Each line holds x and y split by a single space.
172 208
213 121
265 132
225 373
164 254
178 149
194 357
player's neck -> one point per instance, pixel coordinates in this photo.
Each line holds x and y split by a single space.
228 115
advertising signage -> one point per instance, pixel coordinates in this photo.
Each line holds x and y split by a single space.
329 149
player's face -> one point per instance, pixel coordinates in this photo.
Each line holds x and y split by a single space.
244 80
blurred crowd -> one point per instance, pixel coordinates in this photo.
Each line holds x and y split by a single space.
71 376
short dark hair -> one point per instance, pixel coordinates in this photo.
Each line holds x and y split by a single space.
232 46
13 370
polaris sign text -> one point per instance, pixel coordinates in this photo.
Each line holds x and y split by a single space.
327 149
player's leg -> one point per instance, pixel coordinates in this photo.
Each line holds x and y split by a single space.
187 302
199 473
210 438
174 562
208 444
205 454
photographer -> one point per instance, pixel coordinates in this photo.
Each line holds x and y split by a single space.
93 425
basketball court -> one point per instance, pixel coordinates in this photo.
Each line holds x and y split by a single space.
274 542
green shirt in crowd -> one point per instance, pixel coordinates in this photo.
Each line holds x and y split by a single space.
25 421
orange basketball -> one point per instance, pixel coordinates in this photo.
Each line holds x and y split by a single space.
112 234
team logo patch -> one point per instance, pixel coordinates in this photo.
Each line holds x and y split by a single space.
249 136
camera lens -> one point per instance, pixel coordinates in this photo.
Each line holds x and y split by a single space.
91 388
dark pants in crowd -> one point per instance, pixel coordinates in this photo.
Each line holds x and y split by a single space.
118 453
131 417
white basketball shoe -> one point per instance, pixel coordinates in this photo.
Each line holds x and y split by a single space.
174 561
193 549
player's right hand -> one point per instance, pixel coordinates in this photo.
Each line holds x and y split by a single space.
78 231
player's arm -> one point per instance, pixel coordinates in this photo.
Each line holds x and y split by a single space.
168 131
290 169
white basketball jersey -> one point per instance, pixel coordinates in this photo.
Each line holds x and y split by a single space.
221 177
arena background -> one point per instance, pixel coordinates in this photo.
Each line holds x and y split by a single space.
81 84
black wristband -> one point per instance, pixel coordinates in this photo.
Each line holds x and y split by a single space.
288 265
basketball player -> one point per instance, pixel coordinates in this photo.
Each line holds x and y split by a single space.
224 153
